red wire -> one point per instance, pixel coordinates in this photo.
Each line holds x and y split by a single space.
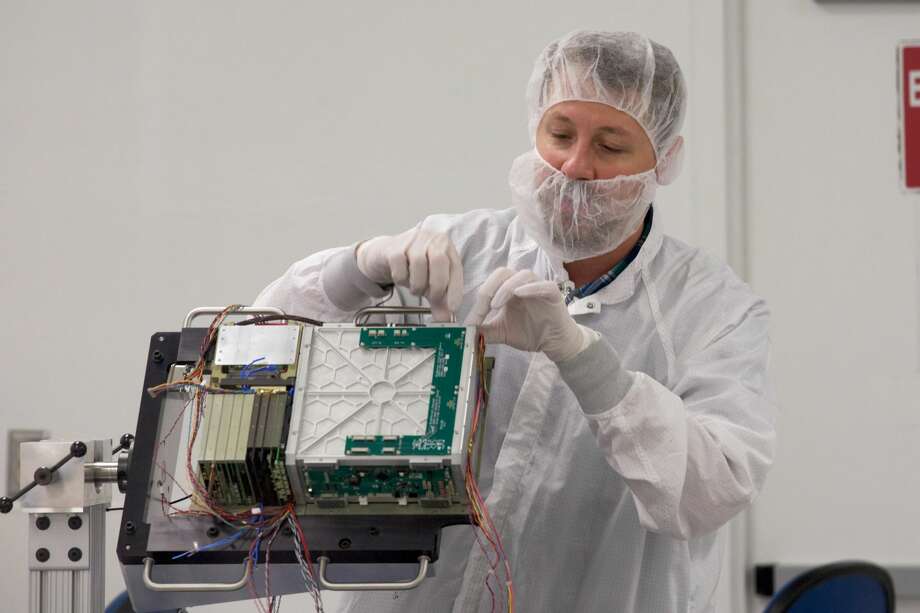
482 517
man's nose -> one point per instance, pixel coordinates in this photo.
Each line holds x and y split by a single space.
579 165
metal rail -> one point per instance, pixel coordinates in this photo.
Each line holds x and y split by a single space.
196 313
193 587
325 584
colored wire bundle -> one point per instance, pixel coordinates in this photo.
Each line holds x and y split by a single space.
260 525
306 563
212 545
478 510
267 532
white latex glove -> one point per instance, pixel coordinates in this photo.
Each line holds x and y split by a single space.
425 262
522 311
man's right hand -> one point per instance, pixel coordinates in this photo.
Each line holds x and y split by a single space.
425 262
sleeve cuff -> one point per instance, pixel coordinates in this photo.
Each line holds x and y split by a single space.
344 284
596 377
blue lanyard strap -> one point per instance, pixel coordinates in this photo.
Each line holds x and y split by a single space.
607 278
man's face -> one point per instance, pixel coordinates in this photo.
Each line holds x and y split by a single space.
590 144
590 141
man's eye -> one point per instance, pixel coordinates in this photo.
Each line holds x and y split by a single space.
559 135
610 149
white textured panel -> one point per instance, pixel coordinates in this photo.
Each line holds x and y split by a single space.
356 391
242 345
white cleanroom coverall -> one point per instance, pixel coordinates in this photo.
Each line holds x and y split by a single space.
610 475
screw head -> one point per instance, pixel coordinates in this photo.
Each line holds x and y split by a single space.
345 544
42 522
42 554
129 527
126 440
157 356
6 505
74 554
78 449
75 522
213 531
43 475
374 531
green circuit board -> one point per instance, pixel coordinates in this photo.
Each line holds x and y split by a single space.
445 387
379 482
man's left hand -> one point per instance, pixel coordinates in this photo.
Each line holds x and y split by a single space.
521 310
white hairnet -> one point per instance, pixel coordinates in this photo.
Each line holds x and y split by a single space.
624 70
574 219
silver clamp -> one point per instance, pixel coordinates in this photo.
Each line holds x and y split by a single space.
583 306
196 313
153 586
325 584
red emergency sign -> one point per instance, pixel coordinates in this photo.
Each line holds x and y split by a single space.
909 87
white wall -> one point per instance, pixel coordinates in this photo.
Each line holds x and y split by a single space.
163 155
834 246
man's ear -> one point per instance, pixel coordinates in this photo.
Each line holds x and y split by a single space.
671 162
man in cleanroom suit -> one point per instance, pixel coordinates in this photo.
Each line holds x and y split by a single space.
630 416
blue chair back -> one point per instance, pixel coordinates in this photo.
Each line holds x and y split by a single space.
122 604
843 587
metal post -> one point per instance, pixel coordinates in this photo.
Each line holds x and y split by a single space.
67 561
